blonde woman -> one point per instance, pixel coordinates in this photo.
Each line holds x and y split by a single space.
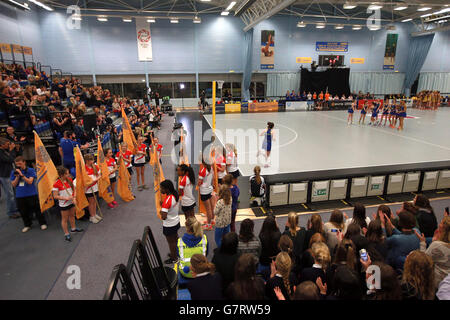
280 277
322 259
222 213
206 284
297 234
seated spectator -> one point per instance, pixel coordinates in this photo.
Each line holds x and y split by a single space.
206 284
225 258
418 277
248 242
246 285
257 187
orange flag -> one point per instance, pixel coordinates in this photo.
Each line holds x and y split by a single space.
128 135
104 189
46 174
123 183
82 181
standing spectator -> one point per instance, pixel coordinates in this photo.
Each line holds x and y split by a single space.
359 217
246 285
206 284
269 237
297 235
225 258
22 179
7 155
230 181
426 219
315 225
66 146
171 220
418 277
222 212
331 228
280 277
248 242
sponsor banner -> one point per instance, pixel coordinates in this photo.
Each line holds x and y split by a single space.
17 48
144 40
296 105
267 49
361 102
390 51
263 106
232 107
357 60
332 46
28 51
5 47
303 60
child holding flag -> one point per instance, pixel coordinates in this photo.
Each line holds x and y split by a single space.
91 191
64 192
126 155
139 163
112 168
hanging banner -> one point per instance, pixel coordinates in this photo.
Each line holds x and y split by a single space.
144 39
27 51
331 46
303 60
5 47
17 48
267 49
357 60
389 52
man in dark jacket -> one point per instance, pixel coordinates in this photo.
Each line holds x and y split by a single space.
7 155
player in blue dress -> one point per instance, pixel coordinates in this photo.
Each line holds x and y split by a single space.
351 110
402 115
363 113
385 112
374 117
392 114
269 137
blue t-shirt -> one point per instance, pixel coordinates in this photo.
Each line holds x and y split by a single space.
234 196
24 189
67 146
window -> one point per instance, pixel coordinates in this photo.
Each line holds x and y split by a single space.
236 90
134 90
184 89
164 89
207 86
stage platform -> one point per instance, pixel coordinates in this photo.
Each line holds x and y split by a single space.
320 145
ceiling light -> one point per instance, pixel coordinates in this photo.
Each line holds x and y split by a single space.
230 6
356 27
40 4
174 20
21 5
442 21
301 24
320 26
127 19
197 20
374 28
225 13
406 20
339 27
442 11
424 8
425 15
375 7
205 0
102 18
349 5
151 20
400 7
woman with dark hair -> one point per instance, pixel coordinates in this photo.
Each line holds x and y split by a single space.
402 241
269 136
248 242
246 285
386 211
269 236
225 258
332 227
377 247
359 217
186 188
426 219
206 189
315 225
170 218
389 288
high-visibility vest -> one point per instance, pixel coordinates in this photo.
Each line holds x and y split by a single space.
186 253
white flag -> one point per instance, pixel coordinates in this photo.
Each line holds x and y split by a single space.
144 39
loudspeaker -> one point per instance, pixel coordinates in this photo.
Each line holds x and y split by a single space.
89 121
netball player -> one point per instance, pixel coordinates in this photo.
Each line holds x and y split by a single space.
267 143
351 110
401 115
363 113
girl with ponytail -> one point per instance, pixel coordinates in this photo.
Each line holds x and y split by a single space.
185 189
171 220
206 284
322 259
280 277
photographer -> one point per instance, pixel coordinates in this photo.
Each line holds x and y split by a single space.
22 179
7 155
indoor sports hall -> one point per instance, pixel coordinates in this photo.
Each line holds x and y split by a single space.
193 150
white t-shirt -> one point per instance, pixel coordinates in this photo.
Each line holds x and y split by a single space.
206 177
349 221
186 186
140 158
111 163
170 205
231 162
221 163
93 187
64 190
